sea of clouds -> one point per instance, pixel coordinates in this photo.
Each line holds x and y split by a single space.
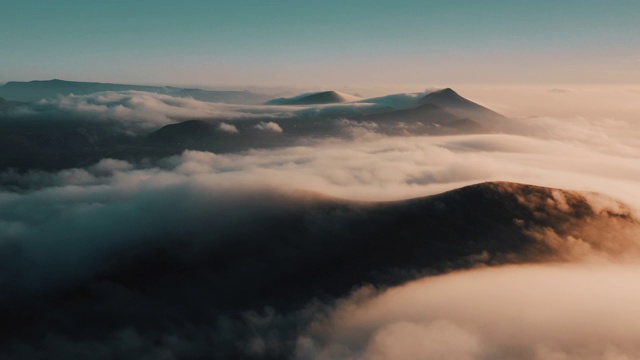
55 228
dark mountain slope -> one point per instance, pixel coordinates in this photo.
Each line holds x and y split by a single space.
453 102
6 104
39 89
184 132
231 97
36 90
427 113
424 119
286 252
325 97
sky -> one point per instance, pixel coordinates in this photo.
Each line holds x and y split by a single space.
329 43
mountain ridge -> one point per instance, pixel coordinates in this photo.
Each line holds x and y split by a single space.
315 98
292 252
450 100
39 89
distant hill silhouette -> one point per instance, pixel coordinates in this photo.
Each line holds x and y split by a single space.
58 141
325 97
428 113
232 97
289 252
36 90
186 131
427 119
450 100
6 104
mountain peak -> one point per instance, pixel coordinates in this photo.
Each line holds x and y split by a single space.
316 98
447 92
329 96
450 100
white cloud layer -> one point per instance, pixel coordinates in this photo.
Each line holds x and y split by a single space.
269 126
142 112
533 312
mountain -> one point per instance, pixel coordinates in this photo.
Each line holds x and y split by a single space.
58 143
424 119
57 140
191 134
286 254
325 97
396 101
409 105
451 101
428 113
190 130
6 104
36 90
467 126
210 136
230 97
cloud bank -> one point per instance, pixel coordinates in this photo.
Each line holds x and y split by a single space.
141 112
584 311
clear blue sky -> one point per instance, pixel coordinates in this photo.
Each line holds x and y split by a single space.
269 42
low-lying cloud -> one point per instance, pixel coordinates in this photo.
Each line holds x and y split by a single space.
141 112
583 311
269 126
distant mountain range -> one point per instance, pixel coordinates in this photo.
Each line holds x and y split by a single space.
14 92
6 104
36 90
428 118
453 102
324 97
55 140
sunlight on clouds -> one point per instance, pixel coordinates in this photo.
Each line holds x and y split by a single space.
585 311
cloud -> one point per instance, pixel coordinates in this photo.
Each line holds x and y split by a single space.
141 112
517 312
389 168
269 126
138 111
202 237
228 128
115 202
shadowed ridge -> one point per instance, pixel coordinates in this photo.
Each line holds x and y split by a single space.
324 97
452 101
448 97
427 119
428 113
40 89
184 130
286 251
7 104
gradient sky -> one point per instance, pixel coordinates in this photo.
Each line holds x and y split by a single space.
329 42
